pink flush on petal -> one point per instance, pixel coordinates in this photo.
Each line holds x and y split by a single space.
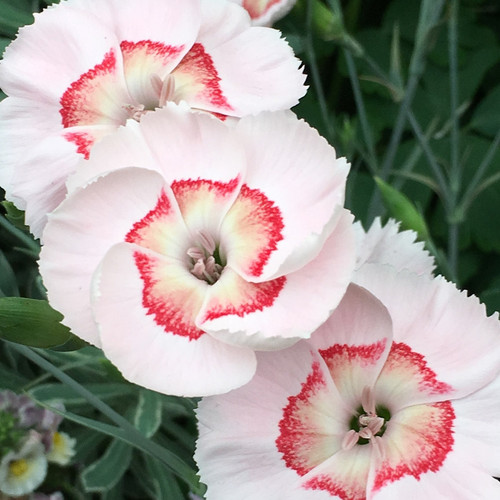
423 431
256 8
170 295
147 76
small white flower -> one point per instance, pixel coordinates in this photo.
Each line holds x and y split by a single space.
63 448
24 470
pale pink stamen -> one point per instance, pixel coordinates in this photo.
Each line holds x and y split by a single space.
369 426
350 440
368 401
165 89
205 266
135 111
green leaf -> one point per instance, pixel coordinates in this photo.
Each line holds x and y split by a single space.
402 209
31 322
64 393
14 15
105 473
147 416
74 343
8 282
486 118
163 481
10 379
14 215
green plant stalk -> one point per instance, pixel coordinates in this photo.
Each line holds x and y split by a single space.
358 98
316 77
431 158
455 167
471 191
428 15
133 436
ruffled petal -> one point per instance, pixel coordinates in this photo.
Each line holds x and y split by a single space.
287 156
22 122
455 479
257 70
354 343
343 476
80 232
388 245
418 440
476 427
47 56
144 305
41 194
240 434
444 326
258 314
265 12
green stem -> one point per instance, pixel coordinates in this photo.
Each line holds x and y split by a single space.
431 158
468 197
316 77
358 98
455 172
453 251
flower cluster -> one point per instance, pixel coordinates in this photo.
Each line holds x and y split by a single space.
29 440
194 229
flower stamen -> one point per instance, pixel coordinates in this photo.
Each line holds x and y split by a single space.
135 111
165 89
204 264
369 426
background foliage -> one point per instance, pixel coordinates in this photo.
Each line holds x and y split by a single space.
410 93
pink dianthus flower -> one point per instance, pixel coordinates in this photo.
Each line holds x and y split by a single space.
214 242
394 396
85 67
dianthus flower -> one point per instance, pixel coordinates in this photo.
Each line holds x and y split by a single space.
266 12
389 402
85 67
215 241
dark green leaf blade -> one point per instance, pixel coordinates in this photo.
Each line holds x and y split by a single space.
31 322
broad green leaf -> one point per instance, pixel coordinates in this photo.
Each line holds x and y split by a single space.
486 118
14 15
402 209
163 481
14 215
73 343
115 493
87 442
12 380
8 282
3 44
147 416
49 392
105 473
31 322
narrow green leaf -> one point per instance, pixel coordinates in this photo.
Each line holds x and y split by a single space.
105 473
402 209
31 322
66 394
147 416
